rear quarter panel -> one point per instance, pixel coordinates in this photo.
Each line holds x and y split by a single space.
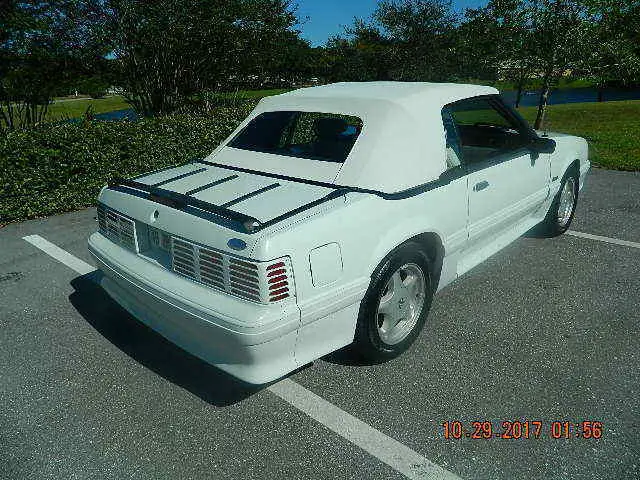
367 228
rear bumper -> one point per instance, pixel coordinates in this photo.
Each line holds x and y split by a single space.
255 343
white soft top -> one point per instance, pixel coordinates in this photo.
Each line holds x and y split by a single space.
402 141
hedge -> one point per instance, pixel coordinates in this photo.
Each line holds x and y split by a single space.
61 167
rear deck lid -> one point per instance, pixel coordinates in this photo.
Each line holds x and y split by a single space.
259 196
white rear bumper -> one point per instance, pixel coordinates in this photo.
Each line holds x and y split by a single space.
253 342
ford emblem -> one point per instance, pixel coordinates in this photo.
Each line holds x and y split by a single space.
236 244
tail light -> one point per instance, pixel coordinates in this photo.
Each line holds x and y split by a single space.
278 281
262 282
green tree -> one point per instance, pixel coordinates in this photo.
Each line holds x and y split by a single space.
365 54
277 53
613 36
422 38
496 42
44 47
558 41
170 50
407 40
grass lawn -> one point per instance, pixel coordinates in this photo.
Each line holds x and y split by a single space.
66 109
62 110
611 128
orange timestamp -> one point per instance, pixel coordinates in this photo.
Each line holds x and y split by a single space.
522 429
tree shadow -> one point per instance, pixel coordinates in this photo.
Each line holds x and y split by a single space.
151 349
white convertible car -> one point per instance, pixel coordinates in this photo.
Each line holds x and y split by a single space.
330 217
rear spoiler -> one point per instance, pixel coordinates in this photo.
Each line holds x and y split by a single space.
188 204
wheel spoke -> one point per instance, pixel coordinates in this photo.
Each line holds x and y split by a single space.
413 285
410 282
397 282
386 304
566 202
389 323
400 304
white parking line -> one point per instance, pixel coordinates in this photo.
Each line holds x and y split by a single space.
599 238
74 263
398 456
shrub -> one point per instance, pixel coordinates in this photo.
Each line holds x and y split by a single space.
97 93
57 168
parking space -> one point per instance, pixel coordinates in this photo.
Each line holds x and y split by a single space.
610 205
545 330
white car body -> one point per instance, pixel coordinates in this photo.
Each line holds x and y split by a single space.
399 189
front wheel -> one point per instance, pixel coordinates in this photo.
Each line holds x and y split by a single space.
395 307
563 208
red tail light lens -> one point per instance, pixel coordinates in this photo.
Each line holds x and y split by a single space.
276 265
278 281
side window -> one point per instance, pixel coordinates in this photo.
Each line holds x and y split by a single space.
484 130
453 146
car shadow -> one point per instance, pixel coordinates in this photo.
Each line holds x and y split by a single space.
152 350
348 358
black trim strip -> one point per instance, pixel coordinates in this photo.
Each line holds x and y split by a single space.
212 184
410 192
271 175
179 177
250 194
335 194
444 179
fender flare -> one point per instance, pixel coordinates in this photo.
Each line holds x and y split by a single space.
399 235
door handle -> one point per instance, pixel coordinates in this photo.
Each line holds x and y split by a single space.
480 186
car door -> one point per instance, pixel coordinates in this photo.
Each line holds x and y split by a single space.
507 182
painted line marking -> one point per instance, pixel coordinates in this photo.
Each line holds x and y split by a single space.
74 263
398 456
600 238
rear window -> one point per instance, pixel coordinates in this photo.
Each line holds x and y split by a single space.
318 136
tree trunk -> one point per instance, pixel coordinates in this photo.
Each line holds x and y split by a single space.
519 93
521 80
10 116
7 117
600 94
542 102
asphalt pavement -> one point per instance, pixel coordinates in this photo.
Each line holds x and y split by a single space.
546 330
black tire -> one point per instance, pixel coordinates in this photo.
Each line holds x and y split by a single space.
552 226
368 342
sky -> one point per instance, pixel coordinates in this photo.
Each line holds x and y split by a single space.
324 18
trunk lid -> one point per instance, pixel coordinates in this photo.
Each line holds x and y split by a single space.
258 196
155 222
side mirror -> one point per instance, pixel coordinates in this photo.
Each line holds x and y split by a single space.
542 145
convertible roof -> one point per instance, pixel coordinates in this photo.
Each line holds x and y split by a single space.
402 93
402 141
